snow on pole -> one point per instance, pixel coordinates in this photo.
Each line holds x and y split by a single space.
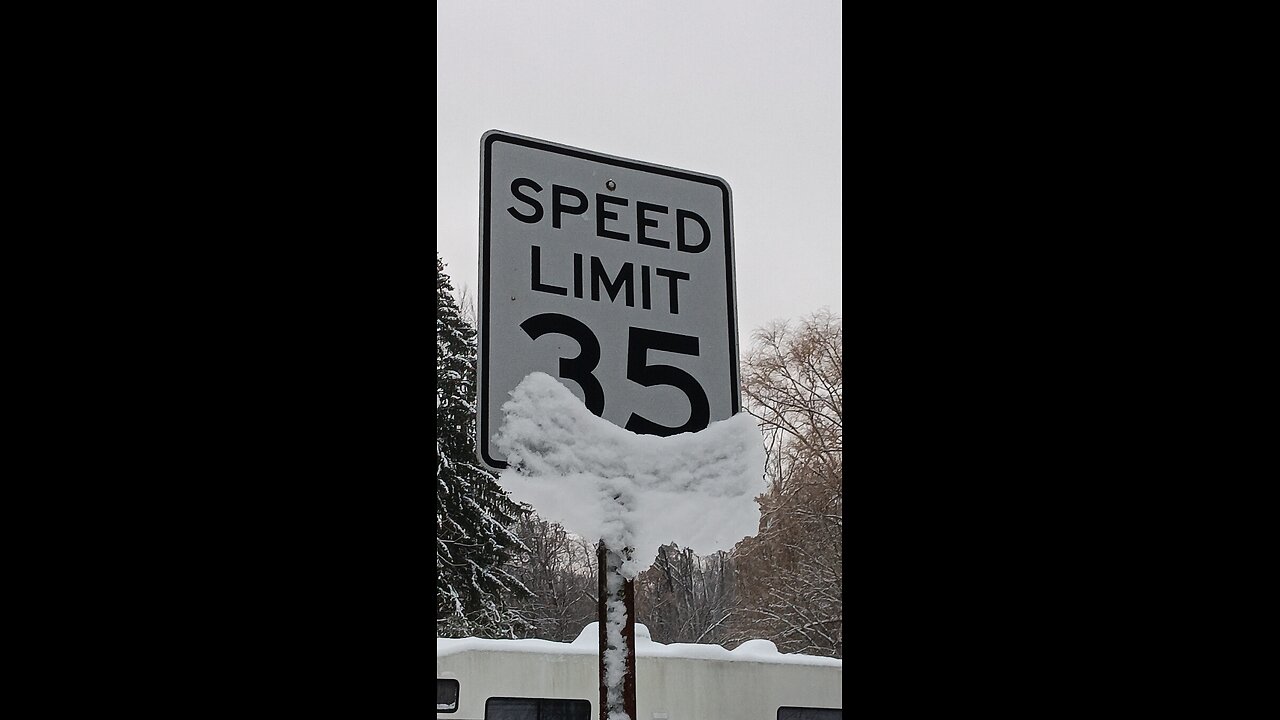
617 626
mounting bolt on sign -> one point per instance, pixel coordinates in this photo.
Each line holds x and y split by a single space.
626 296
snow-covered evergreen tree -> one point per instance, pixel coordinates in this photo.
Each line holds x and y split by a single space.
474 515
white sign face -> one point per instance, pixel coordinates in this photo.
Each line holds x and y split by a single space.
611 275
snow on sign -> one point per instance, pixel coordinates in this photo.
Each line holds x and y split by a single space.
613 276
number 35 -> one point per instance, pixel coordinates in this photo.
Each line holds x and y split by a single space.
639 342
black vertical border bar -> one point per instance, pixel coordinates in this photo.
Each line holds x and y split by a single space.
731 289
486 141
482 359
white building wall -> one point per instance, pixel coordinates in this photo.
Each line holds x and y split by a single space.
682 688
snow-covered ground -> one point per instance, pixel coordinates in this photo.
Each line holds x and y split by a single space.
587 643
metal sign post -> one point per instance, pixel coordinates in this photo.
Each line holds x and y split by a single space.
610 564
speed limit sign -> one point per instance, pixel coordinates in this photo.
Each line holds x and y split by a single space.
614 276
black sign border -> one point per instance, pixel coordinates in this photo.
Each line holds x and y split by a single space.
486 142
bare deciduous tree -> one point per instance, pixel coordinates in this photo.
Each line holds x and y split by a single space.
467 305
790 579
686 598
560 570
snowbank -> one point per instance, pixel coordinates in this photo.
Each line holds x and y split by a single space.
587 644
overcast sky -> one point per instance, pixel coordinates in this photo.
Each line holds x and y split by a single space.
746 90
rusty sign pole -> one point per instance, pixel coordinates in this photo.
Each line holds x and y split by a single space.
628 632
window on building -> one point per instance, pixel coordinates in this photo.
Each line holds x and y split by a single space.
808 713
446 695
505 708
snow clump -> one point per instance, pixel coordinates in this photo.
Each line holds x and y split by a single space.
635 491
